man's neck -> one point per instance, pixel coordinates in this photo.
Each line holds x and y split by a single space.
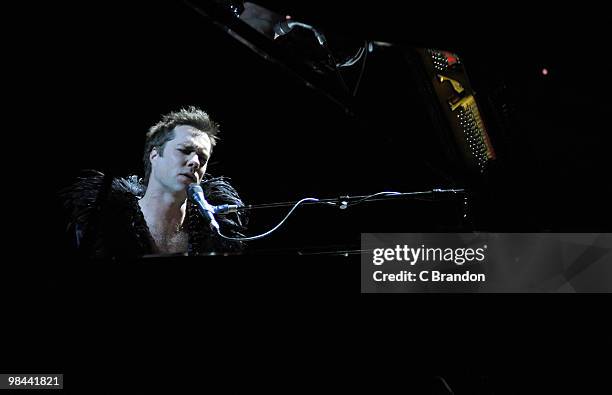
162 209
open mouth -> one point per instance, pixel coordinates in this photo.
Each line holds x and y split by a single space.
190 176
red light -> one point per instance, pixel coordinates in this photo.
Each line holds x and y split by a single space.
450 58
544 71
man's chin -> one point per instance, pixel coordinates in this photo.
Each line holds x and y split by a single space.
178 187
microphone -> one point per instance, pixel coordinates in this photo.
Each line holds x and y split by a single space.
195 193
225 208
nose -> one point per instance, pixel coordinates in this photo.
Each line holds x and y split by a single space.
194 162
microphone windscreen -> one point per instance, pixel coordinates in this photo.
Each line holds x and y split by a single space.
193 190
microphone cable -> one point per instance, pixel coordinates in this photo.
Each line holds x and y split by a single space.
344 204
276 227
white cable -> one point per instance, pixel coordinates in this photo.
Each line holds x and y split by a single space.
354 59
342 205
390 193
273 229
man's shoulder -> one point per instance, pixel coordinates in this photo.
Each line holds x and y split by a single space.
93 189
219 190
131 185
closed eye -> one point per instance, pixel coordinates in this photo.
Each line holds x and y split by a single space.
188 151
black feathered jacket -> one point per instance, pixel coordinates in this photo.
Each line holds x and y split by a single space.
108 224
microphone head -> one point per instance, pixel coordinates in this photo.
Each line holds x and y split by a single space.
193 190
195 193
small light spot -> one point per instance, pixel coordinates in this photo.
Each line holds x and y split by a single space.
545 71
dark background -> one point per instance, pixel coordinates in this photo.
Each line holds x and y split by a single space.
111 70
96 76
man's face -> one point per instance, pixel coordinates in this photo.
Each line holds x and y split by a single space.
184 159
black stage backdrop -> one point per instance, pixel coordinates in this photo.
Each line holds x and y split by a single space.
97 75
103 74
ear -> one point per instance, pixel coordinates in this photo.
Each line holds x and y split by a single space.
154 154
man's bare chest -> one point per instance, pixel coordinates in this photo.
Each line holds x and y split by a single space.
170 242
